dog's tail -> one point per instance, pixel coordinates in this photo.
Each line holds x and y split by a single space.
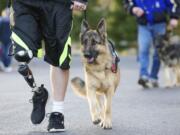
78 86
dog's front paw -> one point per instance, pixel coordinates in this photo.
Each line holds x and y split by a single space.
167 86
176 84
106 124
96 122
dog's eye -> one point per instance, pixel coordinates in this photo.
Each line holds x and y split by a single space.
94 42
98 42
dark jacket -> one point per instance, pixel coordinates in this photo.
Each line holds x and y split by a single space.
70 1
63 1
85 0
74 0
178 7
156 11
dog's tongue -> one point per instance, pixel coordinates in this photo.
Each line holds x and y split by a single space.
91 60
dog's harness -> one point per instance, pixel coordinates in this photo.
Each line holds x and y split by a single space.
115 57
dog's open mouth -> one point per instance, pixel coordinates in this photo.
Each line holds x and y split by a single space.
91 60
90 56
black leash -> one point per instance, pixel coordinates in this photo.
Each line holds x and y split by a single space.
9 2
85 14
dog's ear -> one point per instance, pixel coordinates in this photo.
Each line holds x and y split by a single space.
101 28
166 37
84 26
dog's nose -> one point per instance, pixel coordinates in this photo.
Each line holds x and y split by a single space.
87 54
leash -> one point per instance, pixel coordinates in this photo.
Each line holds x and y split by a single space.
85 14
9 2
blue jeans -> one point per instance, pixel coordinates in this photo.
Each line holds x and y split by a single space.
146 35
4 56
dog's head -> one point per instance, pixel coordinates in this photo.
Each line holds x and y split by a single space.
161 41
167 51
91 40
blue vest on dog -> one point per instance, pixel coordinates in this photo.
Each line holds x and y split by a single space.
151 7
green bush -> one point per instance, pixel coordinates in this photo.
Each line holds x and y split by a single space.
2 4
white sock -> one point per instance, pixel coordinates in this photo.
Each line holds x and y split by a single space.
58 106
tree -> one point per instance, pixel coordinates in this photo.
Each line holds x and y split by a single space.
117 20
2 4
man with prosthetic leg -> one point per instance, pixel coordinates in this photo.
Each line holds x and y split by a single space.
50 21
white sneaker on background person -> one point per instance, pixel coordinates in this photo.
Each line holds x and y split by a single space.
8 69
154 83
1 66
5 69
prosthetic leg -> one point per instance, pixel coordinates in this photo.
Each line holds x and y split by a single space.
24 57
27 74
40 95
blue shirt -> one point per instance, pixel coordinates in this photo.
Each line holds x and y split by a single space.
152 7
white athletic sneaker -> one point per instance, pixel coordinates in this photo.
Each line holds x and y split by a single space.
154 83
144 82
8 69
1 66
5 69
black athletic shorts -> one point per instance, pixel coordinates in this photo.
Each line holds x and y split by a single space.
43 20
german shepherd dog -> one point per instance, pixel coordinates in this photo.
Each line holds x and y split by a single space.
169 54
100 80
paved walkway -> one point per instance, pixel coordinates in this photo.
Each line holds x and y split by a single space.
135 111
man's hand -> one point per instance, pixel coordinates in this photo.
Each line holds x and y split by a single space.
138 11
173 23
78 6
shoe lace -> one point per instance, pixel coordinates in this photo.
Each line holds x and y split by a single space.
55 118
36 90
34 98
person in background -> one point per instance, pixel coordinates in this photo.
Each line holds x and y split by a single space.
5 33
152 20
